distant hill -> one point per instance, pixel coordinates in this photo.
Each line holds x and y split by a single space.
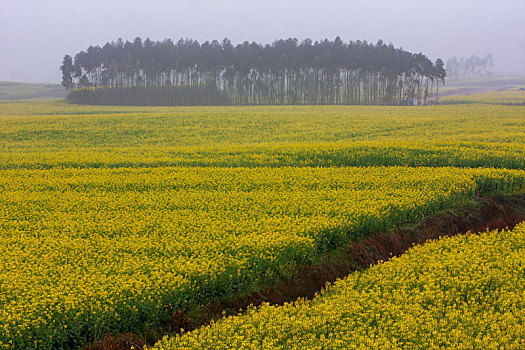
22 91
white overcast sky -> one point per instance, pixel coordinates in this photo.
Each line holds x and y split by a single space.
36 34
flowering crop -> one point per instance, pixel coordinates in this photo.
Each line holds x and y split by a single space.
465 292
92 251
112 217
56 135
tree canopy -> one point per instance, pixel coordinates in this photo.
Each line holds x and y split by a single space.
284 72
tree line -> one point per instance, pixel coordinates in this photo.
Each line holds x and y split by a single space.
284 72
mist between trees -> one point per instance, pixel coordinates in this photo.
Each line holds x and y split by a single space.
219 73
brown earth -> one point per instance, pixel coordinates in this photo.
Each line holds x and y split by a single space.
497 212
125 341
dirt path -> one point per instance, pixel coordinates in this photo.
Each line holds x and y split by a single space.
496 212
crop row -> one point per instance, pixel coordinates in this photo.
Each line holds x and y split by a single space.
430 154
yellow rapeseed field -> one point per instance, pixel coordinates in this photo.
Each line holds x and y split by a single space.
43 135
93 251
113 217
465 292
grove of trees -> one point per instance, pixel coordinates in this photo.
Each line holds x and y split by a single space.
473 66
284 72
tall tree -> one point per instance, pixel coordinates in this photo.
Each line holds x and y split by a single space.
67 70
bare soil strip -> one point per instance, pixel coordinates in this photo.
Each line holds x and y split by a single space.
497 212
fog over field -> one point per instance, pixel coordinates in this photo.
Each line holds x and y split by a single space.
35 35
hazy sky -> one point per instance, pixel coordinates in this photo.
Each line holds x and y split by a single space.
36 34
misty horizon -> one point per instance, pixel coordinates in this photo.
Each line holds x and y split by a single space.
35 36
